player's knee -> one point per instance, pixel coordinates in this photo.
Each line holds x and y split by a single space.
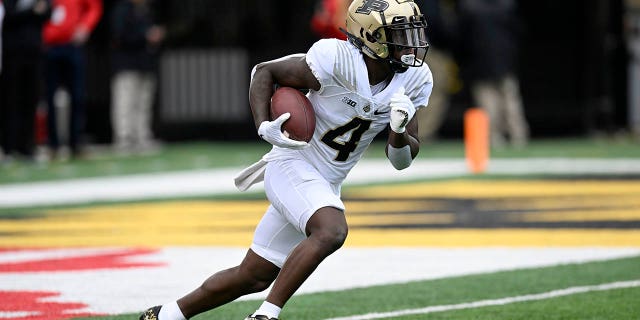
331 238
328 229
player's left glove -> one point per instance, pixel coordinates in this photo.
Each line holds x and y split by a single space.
402 110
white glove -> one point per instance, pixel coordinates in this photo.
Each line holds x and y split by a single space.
402 110
271 131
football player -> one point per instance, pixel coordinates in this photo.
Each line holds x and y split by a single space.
375 80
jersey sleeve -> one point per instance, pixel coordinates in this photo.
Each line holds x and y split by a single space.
419 87
321 59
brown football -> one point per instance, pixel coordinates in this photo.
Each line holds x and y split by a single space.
302 123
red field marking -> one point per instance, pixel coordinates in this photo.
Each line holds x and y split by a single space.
28 305
111 260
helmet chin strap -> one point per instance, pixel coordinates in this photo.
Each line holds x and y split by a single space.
397 66
402 65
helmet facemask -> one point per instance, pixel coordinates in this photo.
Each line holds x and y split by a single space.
402 35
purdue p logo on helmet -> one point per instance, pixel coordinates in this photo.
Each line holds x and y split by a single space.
377 27
369 5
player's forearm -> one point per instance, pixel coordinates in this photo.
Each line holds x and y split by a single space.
401 149
408 137
260 92
399 140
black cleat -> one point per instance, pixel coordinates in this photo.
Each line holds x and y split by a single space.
151 314
259 317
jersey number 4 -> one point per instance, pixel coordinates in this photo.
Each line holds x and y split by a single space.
357 125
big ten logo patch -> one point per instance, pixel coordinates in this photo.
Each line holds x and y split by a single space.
349 101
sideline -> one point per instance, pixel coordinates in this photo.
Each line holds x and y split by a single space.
497 302
220 181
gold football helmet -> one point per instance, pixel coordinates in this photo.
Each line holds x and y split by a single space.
378 27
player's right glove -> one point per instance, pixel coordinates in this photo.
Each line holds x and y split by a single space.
271 131
402 110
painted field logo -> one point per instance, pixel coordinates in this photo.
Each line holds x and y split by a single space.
23 303
36 305
93 261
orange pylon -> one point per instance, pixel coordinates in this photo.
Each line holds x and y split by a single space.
476 139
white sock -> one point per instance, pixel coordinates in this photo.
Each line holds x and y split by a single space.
171 311
268 309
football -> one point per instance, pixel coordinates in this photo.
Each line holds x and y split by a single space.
302 123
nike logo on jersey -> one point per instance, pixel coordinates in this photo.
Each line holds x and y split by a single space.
378 112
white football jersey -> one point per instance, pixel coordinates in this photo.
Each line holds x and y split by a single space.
348 115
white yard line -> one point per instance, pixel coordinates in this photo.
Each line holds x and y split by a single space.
496 302
220 181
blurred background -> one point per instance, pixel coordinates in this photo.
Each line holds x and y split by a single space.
573 66
576 65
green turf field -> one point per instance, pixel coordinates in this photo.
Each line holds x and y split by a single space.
613 304
467 211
